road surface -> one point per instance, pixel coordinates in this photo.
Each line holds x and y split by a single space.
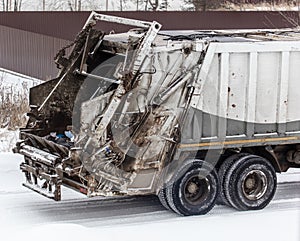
31 213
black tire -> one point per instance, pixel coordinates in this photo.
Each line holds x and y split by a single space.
195 190
162 196
222 173
250 183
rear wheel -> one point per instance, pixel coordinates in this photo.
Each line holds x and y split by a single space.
222 173
195 190
250 183
162 196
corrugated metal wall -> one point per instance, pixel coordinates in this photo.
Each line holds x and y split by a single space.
30 40
29 53
65 25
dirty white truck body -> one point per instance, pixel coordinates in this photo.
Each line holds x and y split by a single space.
192 116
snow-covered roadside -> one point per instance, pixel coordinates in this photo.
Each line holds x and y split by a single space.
8 139
16 82
14 89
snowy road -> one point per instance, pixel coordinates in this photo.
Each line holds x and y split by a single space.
28 215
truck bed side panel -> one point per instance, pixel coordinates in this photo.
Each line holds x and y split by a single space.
247 90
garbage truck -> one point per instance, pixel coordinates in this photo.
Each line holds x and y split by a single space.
194 117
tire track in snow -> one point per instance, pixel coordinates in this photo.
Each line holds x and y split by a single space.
125 210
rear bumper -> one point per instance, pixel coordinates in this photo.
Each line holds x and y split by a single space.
42 171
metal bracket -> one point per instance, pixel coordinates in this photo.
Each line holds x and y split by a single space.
113 19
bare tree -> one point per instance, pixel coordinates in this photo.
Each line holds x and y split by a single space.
154 5
76 6
6 5
203 5
57 5
164 5
200 5
11 5
79 5
70 5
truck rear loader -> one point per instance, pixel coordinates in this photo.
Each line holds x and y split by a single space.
194 117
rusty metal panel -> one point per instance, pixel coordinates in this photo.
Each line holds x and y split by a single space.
29 53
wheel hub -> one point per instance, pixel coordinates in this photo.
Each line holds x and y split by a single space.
254 184
192 187
196 190
250 183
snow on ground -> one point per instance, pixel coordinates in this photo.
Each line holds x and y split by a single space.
8 139
26 215
15 82
13 88
293 175
236 228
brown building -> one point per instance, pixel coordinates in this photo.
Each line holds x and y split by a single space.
30 40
